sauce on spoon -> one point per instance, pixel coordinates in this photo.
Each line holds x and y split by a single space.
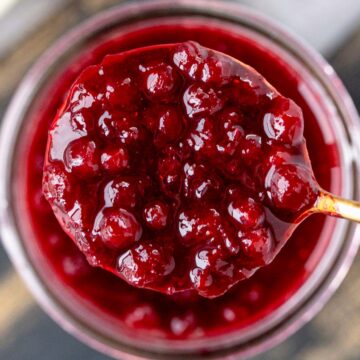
176 167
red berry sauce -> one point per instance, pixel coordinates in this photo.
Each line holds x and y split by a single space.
184 314
195 142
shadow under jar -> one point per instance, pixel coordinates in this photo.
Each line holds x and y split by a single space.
125 322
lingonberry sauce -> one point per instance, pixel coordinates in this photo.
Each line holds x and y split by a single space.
193 132
185 314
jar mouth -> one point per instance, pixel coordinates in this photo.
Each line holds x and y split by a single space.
314 292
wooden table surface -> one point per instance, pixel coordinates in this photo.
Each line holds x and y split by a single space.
26 332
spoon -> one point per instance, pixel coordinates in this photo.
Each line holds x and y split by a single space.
197 169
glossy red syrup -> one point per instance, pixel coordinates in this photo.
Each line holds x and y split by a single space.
192 159
182 315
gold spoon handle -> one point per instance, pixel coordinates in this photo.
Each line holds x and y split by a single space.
333 205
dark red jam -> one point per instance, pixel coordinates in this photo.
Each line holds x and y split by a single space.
192 160
118 192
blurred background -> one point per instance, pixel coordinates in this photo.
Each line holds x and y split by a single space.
27 27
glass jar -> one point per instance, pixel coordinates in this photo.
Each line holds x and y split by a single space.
320 87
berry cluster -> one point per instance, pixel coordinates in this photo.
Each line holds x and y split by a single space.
176 167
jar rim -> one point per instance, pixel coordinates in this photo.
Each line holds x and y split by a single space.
32 83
